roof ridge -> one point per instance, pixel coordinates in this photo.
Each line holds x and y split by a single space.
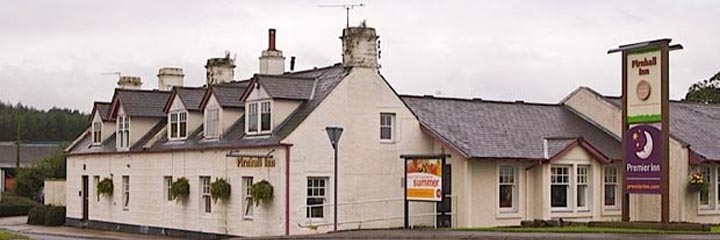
284 76
521 102
313 69
141 90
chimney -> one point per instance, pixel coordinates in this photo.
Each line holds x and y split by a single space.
360 47
292 63
129 82
272 61
220 70
168 77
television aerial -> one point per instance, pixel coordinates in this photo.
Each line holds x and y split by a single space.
347 8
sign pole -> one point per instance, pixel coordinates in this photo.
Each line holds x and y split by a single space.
665 170
405 200
625 196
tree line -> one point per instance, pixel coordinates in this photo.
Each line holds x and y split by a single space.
33 125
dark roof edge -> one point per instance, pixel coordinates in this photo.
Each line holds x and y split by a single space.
279 144
478 100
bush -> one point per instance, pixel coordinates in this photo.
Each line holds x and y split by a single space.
220 189
29 181
47 215
180 189
105 187
16 206
262 192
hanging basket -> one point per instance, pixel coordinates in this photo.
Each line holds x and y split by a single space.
220 189
697 187
105 187
180 189
262 192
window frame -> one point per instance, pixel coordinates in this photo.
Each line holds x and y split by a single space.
96 182
567 183
97 132
126 192
583 179
614 176
310 194
255 111
212 126
392 126
123 132
167 185
248 206
205 196
710 205
177 125
514 188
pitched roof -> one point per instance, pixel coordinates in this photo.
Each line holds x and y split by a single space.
30 153
102 108
141 103
490 129
227 95
693 124
286 86
190 97
327 79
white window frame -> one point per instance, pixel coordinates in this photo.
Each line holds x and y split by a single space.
568 186
610 177
385 125
167 187
96 181
126 192
213 125
180 119
97 132
248 206
707 172
205 197
321 194
255 110
502 180
582 179
123 132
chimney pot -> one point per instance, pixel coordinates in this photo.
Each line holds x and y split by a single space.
169 77
271 39
292 63
129 82
272 61
220 70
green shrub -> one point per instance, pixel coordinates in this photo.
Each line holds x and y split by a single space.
16 206
29 181
180 189
47 215
220 189
105 187
55 216
36 216
262 192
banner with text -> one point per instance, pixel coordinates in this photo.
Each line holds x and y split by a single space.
643 87
424 179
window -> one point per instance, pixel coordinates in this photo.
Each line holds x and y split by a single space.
126 192
205 194
582 187
705 196
97 132
247 183
96 181
178 125
316 197
212 123
252 117
264 116
560 186
610 182
507 188
123 132
387 127
167 182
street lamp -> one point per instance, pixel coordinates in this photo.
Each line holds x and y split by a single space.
334 134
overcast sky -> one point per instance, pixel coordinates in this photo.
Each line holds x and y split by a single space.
53 53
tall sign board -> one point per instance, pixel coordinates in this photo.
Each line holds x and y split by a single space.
645 112
424 177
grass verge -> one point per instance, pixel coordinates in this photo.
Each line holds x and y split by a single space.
5 235
585 229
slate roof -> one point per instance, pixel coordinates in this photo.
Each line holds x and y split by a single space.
30 153
228 95
287 87
693 124
327 79
103 108
141 103
490 129
190 97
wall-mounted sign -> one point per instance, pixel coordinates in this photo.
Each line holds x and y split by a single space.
643 159
644 78
252 162
424 179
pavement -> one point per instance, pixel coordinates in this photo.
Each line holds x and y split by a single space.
19 225
449 234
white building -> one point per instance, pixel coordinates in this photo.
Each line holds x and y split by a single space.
511 161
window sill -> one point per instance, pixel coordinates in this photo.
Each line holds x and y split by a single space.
314 220
507 214
561 210
707 211
247 218
387 141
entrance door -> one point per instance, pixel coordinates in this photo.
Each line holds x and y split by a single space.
85 198
444 208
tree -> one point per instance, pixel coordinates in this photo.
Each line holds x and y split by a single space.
30 180
705 91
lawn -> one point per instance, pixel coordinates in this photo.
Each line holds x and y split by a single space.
586 229
5 235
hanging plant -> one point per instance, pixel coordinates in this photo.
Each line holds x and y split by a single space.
180 189
105 187
261 192
220 189
697 183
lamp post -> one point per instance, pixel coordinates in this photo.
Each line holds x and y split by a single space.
334 133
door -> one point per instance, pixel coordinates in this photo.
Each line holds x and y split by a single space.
444 208
84 195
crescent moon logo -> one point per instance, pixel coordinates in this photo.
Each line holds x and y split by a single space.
647 150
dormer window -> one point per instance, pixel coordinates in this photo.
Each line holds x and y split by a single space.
259 117
123 131
212 122
97 132
178 126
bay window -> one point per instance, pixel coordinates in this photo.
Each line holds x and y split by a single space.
581 187
559 186
178 125
610 186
